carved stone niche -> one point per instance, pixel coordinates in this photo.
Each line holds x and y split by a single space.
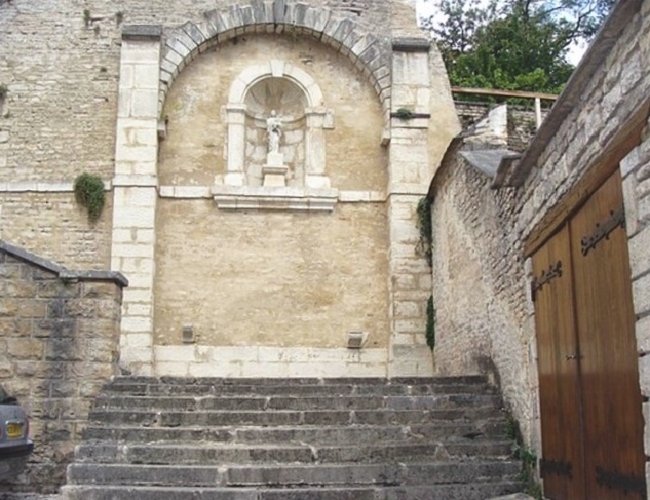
276 142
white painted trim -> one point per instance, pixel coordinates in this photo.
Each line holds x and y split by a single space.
269 362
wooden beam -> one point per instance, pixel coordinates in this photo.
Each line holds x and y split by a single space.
625 140
506 93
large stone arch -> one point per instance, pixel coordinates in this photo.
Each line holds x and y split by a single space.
368 53
403 74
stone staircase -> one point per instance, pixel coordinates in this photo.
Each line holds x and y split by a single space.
295 439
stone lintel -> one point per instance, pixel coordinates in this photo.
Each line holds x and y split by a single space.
142 32
411 44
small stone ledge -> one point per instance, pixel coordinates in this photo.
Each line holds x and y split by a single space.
275 198
411 44
60 271
112 276
489 161
142 32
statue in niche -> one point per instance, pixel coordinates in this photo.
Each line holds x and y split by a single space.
274 130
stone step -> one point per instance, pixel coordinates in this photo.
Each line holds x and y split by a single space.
306 434
296 403
219 381
176 418
202 389
217 453
473 491
272 475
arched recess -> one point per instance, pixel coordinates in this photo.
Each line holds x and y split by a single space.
370 54
314 113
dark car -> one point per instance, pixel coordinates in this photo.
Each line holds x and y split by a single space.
15 445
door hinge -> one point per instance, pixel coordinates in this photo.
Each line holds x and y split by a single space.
557 467
554 271
602 231
615 480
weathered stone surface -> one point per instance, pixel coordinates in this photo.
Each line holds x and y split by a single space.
318 458
47 357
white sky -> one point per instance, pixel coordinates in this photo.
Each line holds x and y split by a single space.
426 8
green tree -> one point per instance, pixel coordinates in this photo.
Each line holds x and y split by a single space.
519 45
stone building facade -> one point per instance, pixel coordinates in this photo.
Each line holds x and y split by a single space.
486 226
243 259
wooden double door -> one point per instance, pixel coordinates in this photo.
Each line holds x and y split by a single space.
590 401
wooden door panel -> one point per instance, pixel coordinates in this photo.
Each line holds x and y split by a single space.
561 464
611 398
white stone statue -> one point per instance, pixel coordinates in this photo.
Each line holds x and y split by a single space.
274 129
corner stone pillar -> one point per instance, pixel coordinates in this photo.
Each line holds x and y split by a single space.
409 177
135 195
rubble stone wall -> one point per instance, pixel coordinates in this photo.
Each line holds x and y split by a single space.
59 338
480 232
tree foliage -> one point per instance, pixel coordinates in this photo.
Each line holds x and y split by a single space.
516 45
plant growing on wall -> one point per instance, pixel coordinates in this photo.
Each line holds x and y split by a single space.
89 193
430 333
404 114
3 91
424 224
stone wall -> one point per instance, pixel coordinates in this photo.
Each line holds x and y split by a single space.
59 337
604 105
93 101
483 315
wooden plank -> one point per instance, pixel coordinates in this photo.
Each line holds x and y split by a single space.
559 389
611 397
506 93
626 138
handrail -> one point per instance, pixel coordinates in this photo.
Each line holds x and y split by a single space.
507 93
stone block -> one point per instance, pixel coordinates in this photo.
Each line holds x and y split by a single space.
140 53
124 217
136 324
144 103
642 327
638 245
138 340
24 348
135 295
146 76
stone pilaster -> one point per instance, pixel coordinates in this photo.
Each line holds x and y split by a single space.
409 176
134 208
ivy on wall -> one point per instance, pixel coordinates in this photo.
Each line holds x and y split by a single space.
425 226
